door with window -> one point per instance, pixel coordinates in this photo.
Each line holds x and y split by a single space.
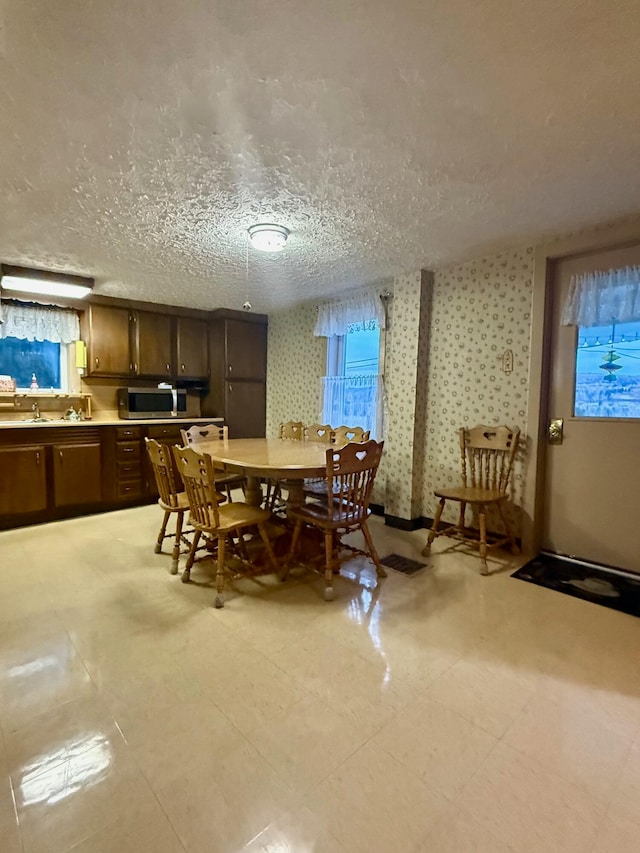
593 471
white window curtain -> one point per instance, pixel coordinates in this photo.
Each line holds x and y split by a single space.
599 298
363 310
39 323
353 401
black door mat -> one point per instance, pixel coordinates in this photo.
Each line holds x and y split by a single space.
600 586
402 564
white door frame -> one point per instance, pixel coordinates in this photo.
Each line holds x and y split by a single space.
612 237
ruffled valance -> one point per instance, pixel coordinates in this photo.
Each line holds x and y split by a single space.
39 323
599 298
362 311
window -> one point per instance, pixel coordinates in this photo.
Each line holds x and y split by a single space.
608 371
22 359
35 340
352 388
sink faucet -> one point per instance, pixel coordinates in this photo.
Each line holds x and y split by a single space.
36 409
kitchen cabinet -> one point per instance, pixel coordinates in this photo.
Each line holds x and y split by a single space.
77 474
191 348
126 343
152 344
245 404
23 483
170 435
245 350
106 331
238 372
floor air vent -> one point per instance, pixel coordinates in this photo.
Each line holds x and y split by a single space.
402 564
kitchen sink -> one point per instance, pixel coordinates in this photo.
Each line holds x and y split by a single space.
36 420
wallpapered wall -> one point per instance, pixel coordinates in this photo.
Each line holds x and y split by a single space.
468 317
295 362
479 310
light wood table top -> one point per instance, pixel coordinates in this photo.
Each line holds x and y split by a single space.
270 457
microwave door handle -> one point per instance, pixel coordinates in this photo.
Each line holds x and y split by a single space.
174 399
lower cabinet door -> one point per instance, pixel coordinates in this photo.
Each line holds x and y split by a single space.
245 409
23 481
77 474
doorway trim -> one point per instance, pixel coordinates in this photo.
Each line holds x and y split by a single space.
615 236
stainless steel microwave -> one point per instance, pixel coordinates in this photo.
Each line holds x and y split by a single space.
141 403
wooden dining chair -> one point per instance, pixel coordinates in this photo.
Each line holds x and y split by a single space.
171 500
342 434
292 429
487 454
209 517
351 472
317 487
225 480
322 433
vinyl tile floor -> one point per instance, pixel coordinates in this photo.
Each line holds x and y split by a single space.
444 712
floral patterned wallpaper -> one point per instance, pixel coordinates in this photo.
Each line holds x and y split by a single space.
296 360
404 378
480 310
444 359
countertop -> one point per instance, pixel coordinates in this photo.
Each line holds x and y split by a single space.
98 421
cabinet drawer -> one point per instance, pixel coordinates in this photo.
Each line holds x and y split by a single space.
128 470
132 489
130 433
127 450
169 431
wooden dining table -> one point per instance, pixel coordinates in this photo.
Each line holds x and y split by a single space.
287 460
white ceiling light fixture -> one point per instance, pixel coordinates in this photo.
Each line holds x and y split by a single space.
267 237
43 283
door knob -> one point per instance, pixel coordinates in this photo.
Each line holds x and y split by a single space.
555 430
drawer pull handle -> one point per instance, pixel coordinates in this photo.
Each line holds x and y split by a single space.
37 457
97 361
61 457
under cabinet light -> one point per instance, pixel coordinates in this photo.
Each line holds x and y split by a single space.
44 283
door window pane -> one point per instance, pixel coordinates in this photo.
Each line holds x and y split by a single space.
20 359
608 371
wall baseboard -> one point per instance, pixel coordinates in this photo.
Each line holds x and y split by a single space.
407 523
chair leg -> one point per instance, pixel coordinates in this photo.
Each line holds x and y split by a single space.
219 602
380 572
463 507
482 521
186 574
267 544
434 528
228 490
508 529
163 530
328 572
292 550
175 556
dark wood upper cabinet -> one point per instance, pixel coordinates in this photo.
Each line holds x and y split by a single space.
191 348
245 350
23 484
152 339
106 331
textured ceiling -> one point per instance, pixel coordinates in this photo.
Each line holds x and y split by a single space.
139 139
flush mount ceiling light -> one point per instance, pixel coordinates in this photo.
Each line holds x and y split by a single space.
43 283
267 237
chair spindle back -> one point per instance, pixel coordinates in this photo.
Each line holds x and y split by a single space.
322 433
198 476
351 471
292 429
487 454
160 458
204 432
342 434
